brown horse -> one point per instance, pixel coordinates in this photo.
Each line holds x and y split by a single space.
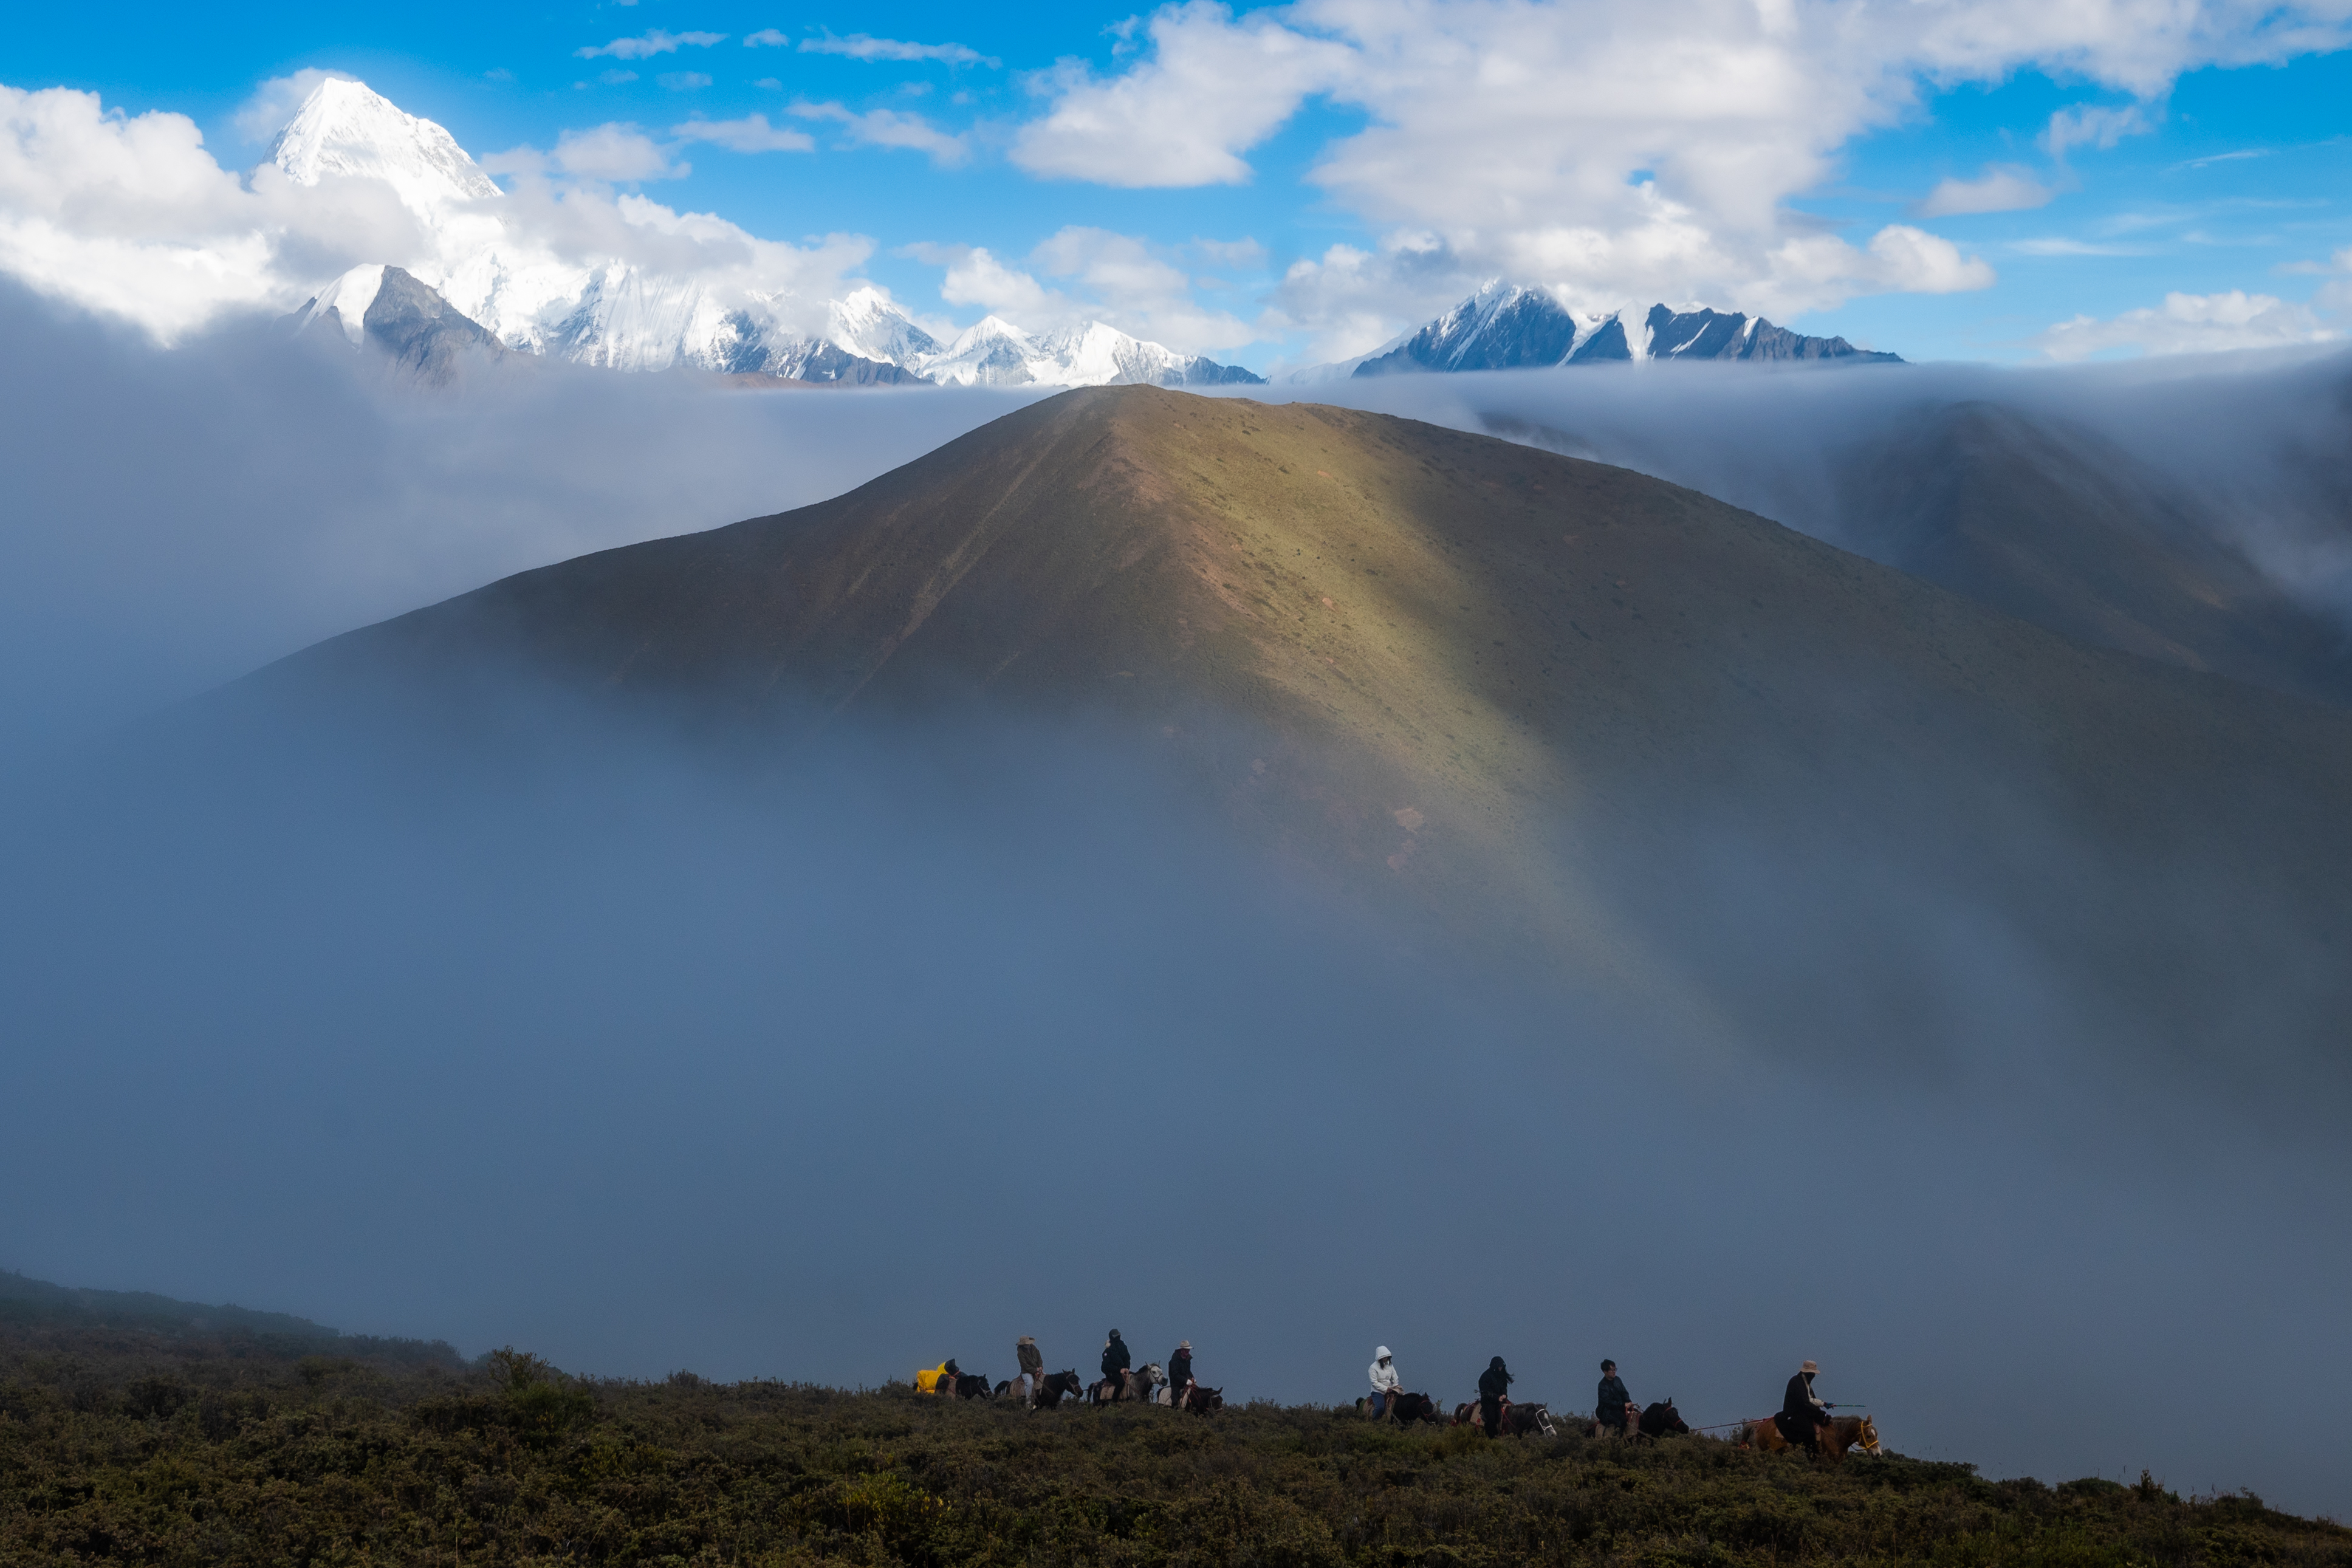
1831 1442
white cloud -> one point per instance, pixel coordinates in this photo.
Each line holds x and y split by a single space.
2001 188
891 128
752 134
614 152
1102 277
2093 126
1613 153
683 81
2190 323
861 46
1213 90
130 216
2057 245
768 36
616 78
647 45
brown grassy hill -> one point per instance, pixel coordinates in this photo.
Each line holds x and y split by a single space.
1503 680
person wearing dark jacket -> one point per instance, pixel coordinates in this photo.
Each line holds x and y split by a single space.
1179 1373
1115 1363
1614 1407
1802 1416
1492 1385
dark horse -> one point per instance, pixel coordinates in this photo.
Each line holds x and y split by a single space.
1518 1420
968 1386
1202 1401
1050 1391
1412 1407
1661 1418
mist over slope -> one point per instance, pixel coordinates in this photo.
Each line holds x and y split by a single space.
562 1025
2195 514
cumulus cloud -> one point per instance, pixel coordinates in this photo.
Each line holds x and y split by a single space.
861 46
891 128
2002 188
647 45
768 37
1608 151
752 134
131 217
2190 324
614 152
1212 90
1098 276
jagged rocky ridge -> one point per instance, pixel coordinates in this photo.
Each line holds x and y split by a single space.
1507 327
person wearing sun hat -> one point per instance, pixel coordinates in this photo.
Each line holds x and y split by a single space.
1802 1415
1179 1373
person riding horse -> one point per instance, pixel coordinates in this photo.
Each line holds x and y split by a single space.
1387 1382
1613 1407
1115 1363
1494 1383
1179 1373
1033 1363
1802 1415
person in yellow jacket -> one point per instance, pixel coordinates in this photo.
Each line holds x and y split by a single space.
940 1379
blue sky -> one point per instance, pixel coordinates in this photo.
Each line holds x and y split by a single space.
2208 179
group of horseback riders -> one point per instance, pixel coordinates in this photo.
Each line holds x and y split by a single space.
1121 1380
1803 1423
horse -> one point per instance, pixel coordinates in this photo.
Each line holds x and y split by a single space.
1050 1392
1202 1401
968 1386
1659 1420
1412 1407
1518 1420
1832 1440
1136 1386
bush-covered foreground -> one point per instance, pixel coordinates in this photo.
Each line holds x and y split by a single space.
174 1448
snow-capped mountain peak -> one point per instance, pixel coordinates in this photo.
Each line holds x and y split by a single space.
343 127
483 268
867 324
1506 325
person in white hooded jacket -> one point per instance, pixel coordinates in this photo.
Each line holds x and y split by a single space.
1386 1381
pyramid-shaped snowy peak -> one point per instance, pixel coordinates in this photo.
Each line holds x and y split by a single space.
343 128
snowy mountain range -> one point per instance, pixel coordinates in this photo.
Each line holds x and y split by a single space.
485 277
1507 327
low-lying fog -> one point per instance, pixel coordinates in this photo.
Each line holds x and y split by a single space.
596 1046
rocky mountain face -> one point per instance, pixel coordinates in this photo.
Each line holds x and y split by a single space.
614 314
387 307
1507 327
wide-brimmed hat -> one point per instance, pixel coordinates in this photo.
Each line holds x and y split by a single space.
1381 1353
1186 1345
1809 1366
1024 1339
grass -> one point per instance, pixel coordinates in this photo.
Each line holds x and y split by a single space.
138 1446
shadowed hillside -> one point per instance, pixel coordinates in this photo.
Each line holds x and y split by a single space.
1553 700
